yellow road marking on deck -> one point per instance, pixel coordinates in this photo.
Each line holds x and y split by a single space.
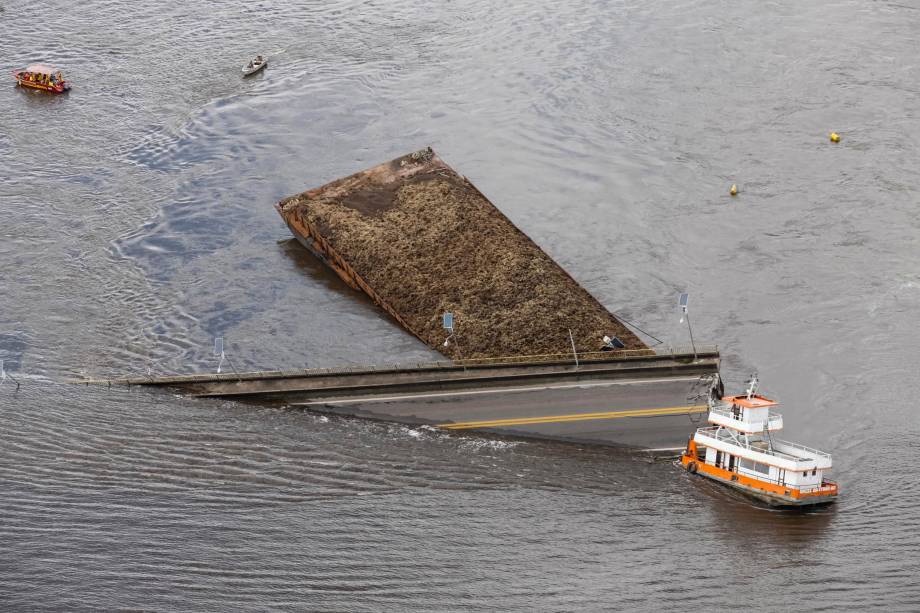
551 419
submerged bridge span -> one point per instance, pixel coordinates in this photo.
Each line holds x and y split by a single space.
642 399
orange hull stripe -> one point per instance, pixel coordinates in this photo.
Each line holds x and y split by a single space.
789 491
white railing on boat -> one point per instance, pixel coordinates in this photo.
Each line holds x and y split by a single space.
726 436
772 448
774 420
825 486
809 450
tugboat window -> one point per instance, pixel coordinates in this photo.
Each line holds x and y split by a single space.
814 471
805 474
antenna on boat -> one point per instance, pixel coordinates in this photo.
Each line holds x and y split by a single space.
682 303
752 386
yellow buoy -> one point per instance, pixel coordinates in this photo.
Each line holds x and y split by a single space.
835 138
734 190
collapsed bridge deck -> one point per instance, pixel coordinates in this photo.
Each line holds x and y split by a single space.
648 400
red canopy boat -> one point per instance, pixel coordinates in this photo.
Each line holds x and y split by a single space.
43 77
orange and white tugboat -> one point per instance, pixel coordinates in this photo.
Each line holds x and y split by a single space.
42 77
739 451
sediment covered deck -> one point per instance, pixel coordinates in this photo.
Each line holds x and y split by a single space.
421 240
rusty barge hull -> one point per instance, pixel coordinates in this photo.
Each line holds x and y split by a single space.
420 240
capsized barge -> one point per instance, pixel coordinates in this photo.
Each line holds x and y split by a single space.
740 451
421 240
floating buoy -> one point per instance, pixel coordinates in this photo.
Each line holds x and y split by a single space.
734 190
835 138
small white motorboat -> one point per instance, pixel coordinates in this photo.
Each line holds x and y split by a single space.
255 65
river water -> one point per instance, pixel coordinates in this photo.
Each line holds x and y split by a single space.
137 225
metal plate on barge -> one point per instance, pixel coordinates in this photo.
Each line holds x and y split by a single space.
421 240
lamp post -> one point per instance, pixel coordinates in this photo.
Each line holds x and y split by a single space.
682 303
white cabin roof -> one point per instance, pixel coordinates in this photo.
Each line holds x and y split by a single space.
756 401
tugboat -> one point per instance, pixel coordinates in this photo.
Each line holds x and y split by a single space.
739 451
43 77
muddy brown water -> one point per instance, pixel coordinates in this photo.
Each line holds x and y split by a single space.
136 224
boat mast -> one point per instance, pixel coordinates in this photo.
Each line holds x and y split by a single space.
752 386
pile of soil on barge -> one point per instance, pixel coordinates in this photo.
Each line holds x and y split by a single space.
421 240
